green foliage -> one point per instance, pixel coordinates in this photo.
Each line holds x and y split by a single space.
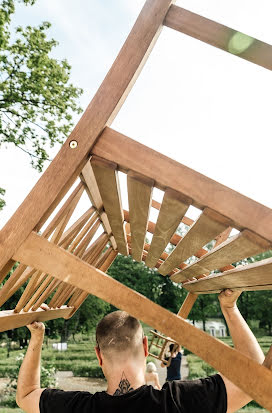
2 201
36 98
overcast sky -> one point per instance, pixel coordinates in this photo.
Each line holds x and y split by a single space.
196 104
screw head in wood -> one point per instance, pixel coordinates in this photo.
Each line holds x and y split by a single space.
73 144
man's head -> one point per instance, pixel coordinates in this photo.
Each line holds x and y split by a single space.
120 337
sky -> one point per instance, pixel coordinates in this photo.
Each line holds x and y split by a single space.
201 106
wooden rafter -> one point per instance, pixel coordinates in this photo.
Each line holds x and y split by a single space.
219 36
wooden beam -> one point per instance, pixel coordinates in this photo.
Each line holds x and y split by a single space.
185 220
173 208
10 320
102 110
187 305
256 276
71 232
268 359
139 198
205 229
244 212
108 183
254 379
219 36
243 245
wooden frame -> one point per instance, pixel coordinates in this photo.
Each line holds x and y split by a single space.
64 265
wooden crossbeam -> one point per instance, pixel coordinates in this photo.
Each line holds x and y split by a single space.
139 198
254 379
234 249
68 163
220 36
108 183
256 276
167 173
173 208
9 319
206 228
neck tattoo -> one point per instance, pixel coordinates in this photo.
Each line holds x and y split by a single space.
124 386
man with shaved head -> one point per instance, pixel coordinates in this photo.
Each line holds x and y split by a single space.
122 350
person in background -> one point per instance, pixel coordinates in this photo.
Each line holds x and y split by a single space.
173 370
151 376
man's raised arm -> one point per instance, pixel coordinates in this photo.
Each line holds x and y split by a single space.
28 386
243 340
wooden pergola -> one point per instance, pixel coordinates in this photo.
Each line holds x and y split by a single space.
63 262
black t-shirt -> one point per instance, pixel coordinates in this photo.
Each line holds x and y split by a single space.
173 371
203 395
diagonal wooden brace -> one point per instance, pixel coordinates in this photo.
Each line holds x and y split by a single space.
254 379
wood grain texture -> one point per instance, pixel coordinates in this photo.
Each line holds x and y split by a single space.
102 110
206 228
74 229
187 305
251 377
139 199
107 179
87 176
173 208
10 320
234 249
254 276
167 173
218 36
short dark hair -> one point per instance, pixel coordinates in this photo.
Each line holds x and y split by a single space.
119 332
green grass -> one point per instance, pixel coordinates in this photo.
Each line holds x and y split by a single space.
10 410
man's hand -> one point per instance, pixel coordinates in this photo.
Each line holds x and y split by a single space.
228 298
37 328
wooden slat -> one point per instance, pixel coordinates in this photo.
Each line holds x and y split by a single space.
92 250
87 176
185 220
206 228
15 281
268 359
70 202
71 232
139 198
37 278
6 269
244 212
256 276
219 36
82 233
80 249
105 105
10 320
173 208
49 290
238 247
108 183
187 305
251 377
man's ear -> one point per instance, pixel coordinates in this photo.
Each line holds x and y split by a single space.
145 344
98 355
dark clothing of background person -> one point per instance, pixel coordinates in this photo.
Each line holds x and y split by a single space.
173 371
203 395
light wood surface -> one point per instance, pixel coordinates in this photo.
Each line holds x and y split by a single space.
256 276
102 110
74 229
87 176
107 179
9 319
173 208
219 36
253 378
139 198
167 173
187 305
206 228
234 249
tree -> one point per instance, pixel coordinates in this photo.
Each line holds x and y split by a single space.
2 201
36 98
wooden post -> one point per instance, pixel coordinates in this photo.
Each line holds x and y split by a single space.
187 305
